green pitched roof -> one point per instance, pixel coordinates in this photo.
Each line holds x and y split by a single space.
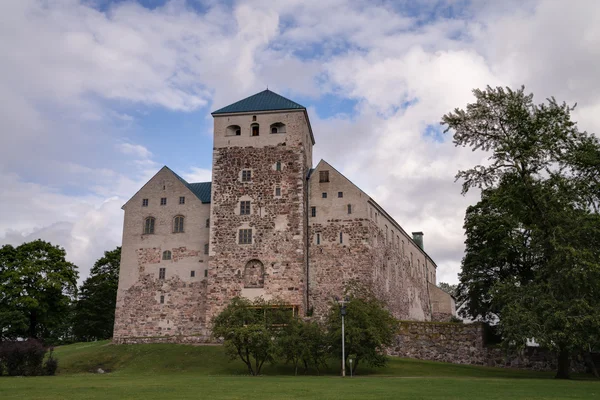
263 101
200 189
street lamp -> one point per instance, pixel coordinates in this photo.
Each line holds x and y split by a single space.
342 304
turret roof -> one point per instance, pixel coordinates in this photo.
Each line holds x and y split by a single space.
263 101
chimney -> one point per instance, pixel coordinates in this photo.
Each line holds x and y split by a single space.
418 238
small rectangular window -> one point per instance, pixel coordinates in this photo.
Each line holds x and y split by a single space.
340 194
349 208
341 237
163 201
246 175
208 222
144 202
244 207
323 176
162 272
277 191
278 166
318 238
245 236
313 211
192 274
181 200
162 299
324 195
206 248
205 273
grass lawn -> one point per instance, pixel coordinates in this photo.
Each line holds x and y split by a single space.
162 371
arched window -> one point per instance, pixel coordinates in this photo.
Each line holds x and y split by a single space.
254 274
278 127
167 255
149 226
178 224
233 130
255 130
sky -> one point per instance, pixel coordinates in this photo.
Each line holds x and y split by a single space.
97 95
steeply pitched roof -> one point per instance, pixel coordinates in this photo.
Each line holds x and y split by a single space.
263 101
200 189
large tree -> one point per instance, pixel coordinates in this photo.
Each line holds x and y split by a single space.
94 317
531 256
37 286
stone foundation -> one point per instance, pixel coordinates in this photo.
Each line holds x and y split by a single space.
464 344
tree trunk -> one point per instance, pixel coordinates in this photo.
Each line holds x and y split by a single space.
564 365
32 324
590 363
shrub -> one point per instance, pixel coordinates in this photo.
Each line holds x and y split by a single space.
22 358
51 364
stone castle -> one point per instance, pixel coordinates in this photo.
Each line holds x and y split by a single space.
268 225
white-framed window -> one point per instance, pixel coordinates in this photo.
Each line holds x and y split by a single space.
162 273
144 202
163 201
181 199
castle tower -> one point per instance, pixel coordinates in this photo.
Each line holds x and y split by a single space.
258 225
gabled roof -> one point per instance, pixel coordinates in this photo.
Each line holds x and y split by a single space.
200 189
263 101
373 202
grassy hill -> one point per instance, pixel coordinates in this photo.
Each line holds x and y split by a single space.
211 360
168 371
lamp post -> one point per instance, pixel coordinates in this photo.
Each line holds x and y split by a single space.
342 304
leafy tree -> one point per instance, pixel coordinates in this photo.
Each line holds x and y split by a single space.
250 330
531 254
37 285
94 317
369 328
303 342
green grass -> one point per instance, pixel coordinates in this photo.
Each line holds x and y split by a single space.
164 371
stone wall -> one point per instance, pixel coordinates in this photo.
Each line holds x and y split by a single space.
464 344
277 194
139 312
371 249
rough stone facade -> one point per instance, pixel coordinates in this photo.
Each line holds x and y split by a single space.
263 228
352 237
465 344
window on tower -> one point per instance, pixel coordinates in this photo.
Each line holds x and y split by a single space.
278 127
246 175
233 130
245 236
244 207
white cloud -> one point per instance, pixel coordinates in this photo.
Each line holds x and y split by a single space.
196 174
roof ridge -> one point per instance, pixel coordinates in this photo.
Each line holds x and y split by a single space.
267 100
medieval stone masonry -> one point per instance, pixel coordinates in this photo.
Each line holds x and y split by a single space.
268 225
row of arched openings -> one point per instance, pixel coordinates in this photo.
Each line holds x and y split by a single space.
236 130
